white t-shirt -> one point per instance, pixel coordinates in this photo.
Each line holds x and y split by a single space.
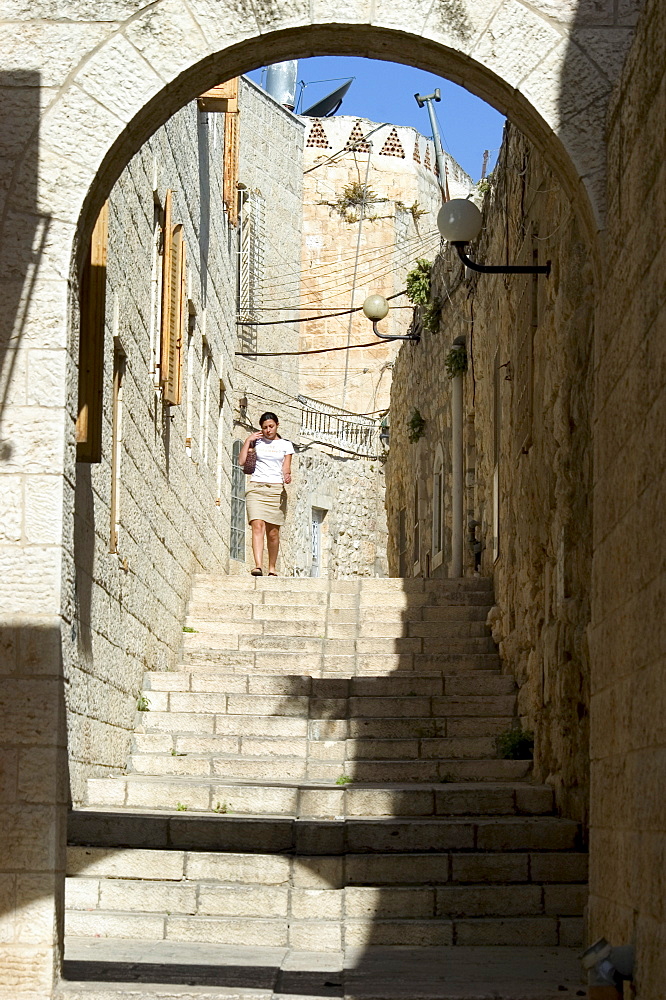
269 460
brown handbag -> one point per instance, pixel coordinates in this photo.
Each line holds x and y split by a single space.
251 461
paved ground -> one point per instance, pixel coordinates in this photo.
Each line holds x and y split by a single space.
104 969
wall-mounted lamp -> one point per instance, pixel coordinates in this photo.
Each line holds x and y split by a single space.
384 432
375 308
459 221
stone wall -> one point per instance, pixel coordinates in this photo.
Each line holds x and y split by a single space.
527 401
397 166
628 709
128 603
175 461
350 494
271 166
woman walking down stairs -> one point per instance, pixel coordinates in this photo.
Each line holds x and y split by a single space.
314 805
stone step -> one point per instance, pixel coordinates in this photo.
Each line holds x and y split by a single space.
328 871
347 664
202 613
318 800
318 640
217 972
166 729
336 626
151 745
312 707
383 586
286 835
473 683
304 769
326 935
275 899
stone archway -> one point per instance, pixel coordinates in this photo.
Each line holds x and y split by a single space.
80 95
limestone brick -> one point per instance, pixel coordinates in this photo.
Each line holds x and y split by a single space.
82 146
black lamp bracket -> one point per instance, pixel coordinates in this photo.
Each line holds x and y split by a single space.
500 268
388 336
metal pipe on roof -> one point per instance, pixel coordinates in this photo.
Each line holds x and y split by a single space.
281 82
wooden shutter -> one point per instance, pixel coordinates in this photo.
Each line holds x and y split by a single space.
174 296
224 97
92 303
230 176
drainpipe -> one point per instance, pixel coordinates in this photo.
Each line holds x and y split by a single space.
281 82
457 472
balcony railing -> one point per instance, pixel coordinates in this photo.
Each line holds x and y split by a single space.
330 425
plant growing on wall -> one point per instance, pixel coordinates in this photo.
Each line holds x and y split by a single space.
431 315
414 210
456 362
418 283
416 426
354 196
515 744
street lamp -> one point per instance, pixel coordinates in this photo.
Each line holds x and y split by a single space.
459 221
376 307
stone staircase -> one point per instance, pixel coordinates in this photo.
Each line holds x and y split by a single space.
319 773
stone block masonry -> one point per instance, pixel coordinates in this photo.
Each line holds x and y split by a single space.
72 121
628 690
527 446
360 820
173 463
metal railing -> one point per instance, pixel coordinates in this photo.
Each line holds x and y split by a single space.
330 425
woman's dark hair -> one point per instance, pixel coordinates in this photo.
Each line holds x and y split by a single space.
267 416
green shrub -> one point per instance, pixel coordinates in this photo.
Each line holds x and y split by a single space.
515 744
418 283
456 361
416 426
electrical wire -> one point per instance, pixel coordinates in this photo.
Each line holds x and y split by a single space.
320 350
366 277
309 319
369 254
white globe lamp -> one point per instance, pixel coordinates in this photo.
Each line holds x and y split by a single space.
375 308
459 220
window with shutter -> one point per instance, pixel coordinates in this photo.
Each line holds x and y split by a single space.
92 301
119 364
230 176
174 298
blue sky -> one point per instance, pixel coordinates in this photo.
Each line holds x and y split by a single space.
384 92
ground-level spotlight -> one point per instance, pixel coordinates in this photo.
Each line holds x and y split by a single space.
376 308
607 968
459 221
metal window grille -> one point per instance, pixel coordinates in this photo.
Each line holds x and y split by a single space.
237 540
251 245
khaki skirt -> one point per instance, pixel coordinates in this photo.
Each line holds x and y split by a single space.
266 502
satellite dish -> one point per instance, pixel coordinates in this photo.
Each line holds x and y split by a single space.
328 105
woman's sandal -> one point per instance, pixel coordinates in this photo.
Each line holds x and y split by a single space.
257 571
272 574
